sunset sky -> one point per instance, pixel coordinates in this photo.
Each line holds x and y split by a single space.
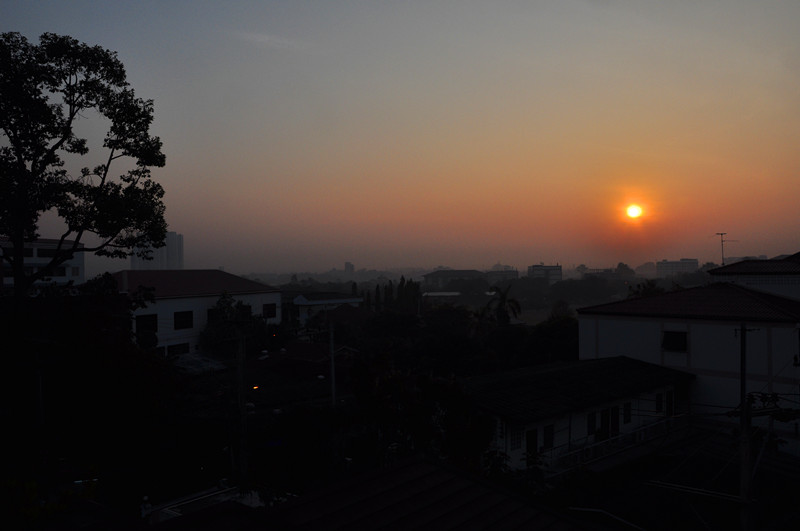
300 135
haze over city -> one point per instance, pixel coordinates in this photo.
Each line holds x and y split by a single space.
301 135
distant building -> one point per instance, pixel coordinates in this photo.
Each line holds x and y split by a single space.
670 268
780 275
38 254
183 299
496 276
349 268
551 273
168 257
308 305
439 280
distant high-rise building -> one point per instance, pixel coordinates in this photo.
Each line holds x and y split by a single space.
168 257
349 268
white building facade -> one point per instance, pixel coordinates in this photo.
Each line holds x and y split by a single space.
699 331
183 299
38 254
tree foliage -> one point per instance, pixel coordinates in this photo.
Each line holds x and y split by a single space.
45 90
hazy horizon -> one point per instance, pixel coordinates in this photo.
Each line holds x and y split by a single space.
302 135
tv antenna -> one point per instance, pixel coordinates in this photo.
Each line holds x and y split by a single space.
722 241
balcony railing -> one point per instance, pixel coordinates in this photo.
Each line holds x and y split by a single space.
560 459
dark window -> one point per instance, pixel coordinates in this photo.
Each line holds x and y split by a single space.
548 438
515 436
591 423
613 417
674 341
177 350
183 320
269 310
76 271
626 413
45 253
532 442
659 402
147 322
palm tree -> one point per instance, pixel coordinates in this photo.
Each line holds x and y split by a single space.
503 306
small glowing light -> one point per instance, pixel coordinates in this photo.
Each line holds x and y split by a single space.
255 387
634 211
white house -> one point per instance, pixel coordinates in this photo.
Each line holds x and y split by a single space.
38 254
183 299
699 330
563 415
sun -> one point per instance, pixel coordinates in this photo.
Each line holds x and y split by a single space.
634 211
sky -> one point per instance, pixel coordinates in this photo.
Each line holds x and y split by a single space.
300 135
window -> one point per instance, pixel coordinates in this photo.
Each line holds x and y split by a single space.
659 402
548 437
183 320
45 253
515 435
591 423
674 341
269 310
626 413
76 271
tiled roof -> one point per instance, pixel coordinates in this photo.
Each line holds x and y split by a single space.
719 301
789 265
176 283
414 494
552 390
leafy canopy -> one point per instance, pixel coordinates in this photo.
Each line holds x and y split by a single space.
45 90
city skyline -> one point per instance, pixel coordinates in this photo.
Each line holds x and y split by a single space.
299 136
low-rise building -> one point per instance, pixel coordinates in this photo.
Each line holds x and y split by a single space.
38 254
705 331
670 268
183 299
564 415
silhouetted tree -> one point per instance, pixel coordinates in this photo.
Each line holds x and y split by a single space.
502 307
647 288
44 89
624 270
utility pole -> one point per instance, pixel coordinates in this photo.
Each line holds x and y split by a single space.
333 365
744 431
722 245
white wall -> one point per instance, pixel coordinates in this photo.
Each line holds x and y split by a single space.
713 355
166 308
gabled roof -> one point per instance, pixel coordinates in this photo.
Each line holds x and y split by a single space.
179 283
720 301
553 390
787 265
